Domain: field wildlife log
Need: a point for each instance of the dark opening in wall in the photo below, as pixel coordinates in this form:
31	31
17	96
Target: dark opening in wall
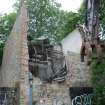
78	91
47	61
81	95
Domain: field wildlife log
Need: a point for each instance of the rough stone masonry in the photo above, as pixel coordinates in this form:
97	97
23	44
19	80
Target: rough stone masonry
14	68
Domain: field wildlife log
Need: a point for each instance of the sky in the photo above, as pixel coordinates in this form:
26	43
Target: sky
6	6
70	5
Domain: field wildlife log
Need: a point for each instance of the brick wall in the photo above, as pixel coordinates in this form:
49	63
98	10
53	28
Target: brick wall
15	60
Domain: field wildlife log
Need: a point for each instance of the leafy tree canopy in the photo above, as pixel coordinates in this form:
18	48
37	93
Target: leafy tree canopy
46	19
6	24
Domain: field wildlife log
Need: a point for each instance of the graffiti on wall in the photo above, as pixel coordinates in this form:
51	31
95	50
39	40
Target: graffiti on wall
81	95
85	99
8	96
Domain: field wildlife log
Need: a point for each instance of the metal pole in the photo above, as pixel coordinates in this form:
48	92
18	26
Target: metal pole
30	95
30	89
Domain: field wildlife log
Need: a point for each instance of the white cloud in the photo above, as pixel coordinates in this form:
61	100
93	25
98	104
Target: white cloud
6	6
70	5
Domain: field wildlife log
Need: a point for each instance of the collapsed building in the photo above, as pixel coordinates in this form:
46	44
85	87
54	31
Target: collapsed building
14	71
22	62
47	61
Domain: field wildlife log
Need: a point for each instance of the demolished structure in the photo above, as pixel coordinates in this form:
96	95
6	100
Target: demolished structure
44	65
47	61
14	72
23	62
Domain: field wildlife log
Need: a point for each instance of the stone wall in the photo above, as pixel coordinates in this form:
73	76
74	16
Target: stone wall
15	60
78	72
59	93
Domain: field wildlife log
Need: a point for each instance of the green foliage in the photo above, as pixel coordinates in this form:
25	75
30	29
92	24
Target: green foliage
82	13
71	22
44	18
1	52
99	96
47	19
6	24
98	70
102	12
98	80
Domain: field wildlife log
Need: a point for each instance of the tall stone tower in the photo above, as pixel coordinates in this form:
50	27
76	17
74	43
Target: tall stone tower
14	68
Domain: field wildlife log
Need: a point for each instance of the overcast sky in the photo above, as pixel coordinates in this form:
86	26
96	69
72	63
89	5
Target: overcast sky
69	5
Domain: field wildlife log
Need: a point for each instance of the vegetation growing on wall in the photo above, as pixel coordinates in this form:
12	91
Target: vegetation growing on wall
98	70
98	80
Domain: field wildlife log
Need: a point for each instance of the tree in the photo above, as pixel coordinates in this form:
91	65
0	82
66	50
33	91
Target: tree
6	24
102	12
98	70
46	19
